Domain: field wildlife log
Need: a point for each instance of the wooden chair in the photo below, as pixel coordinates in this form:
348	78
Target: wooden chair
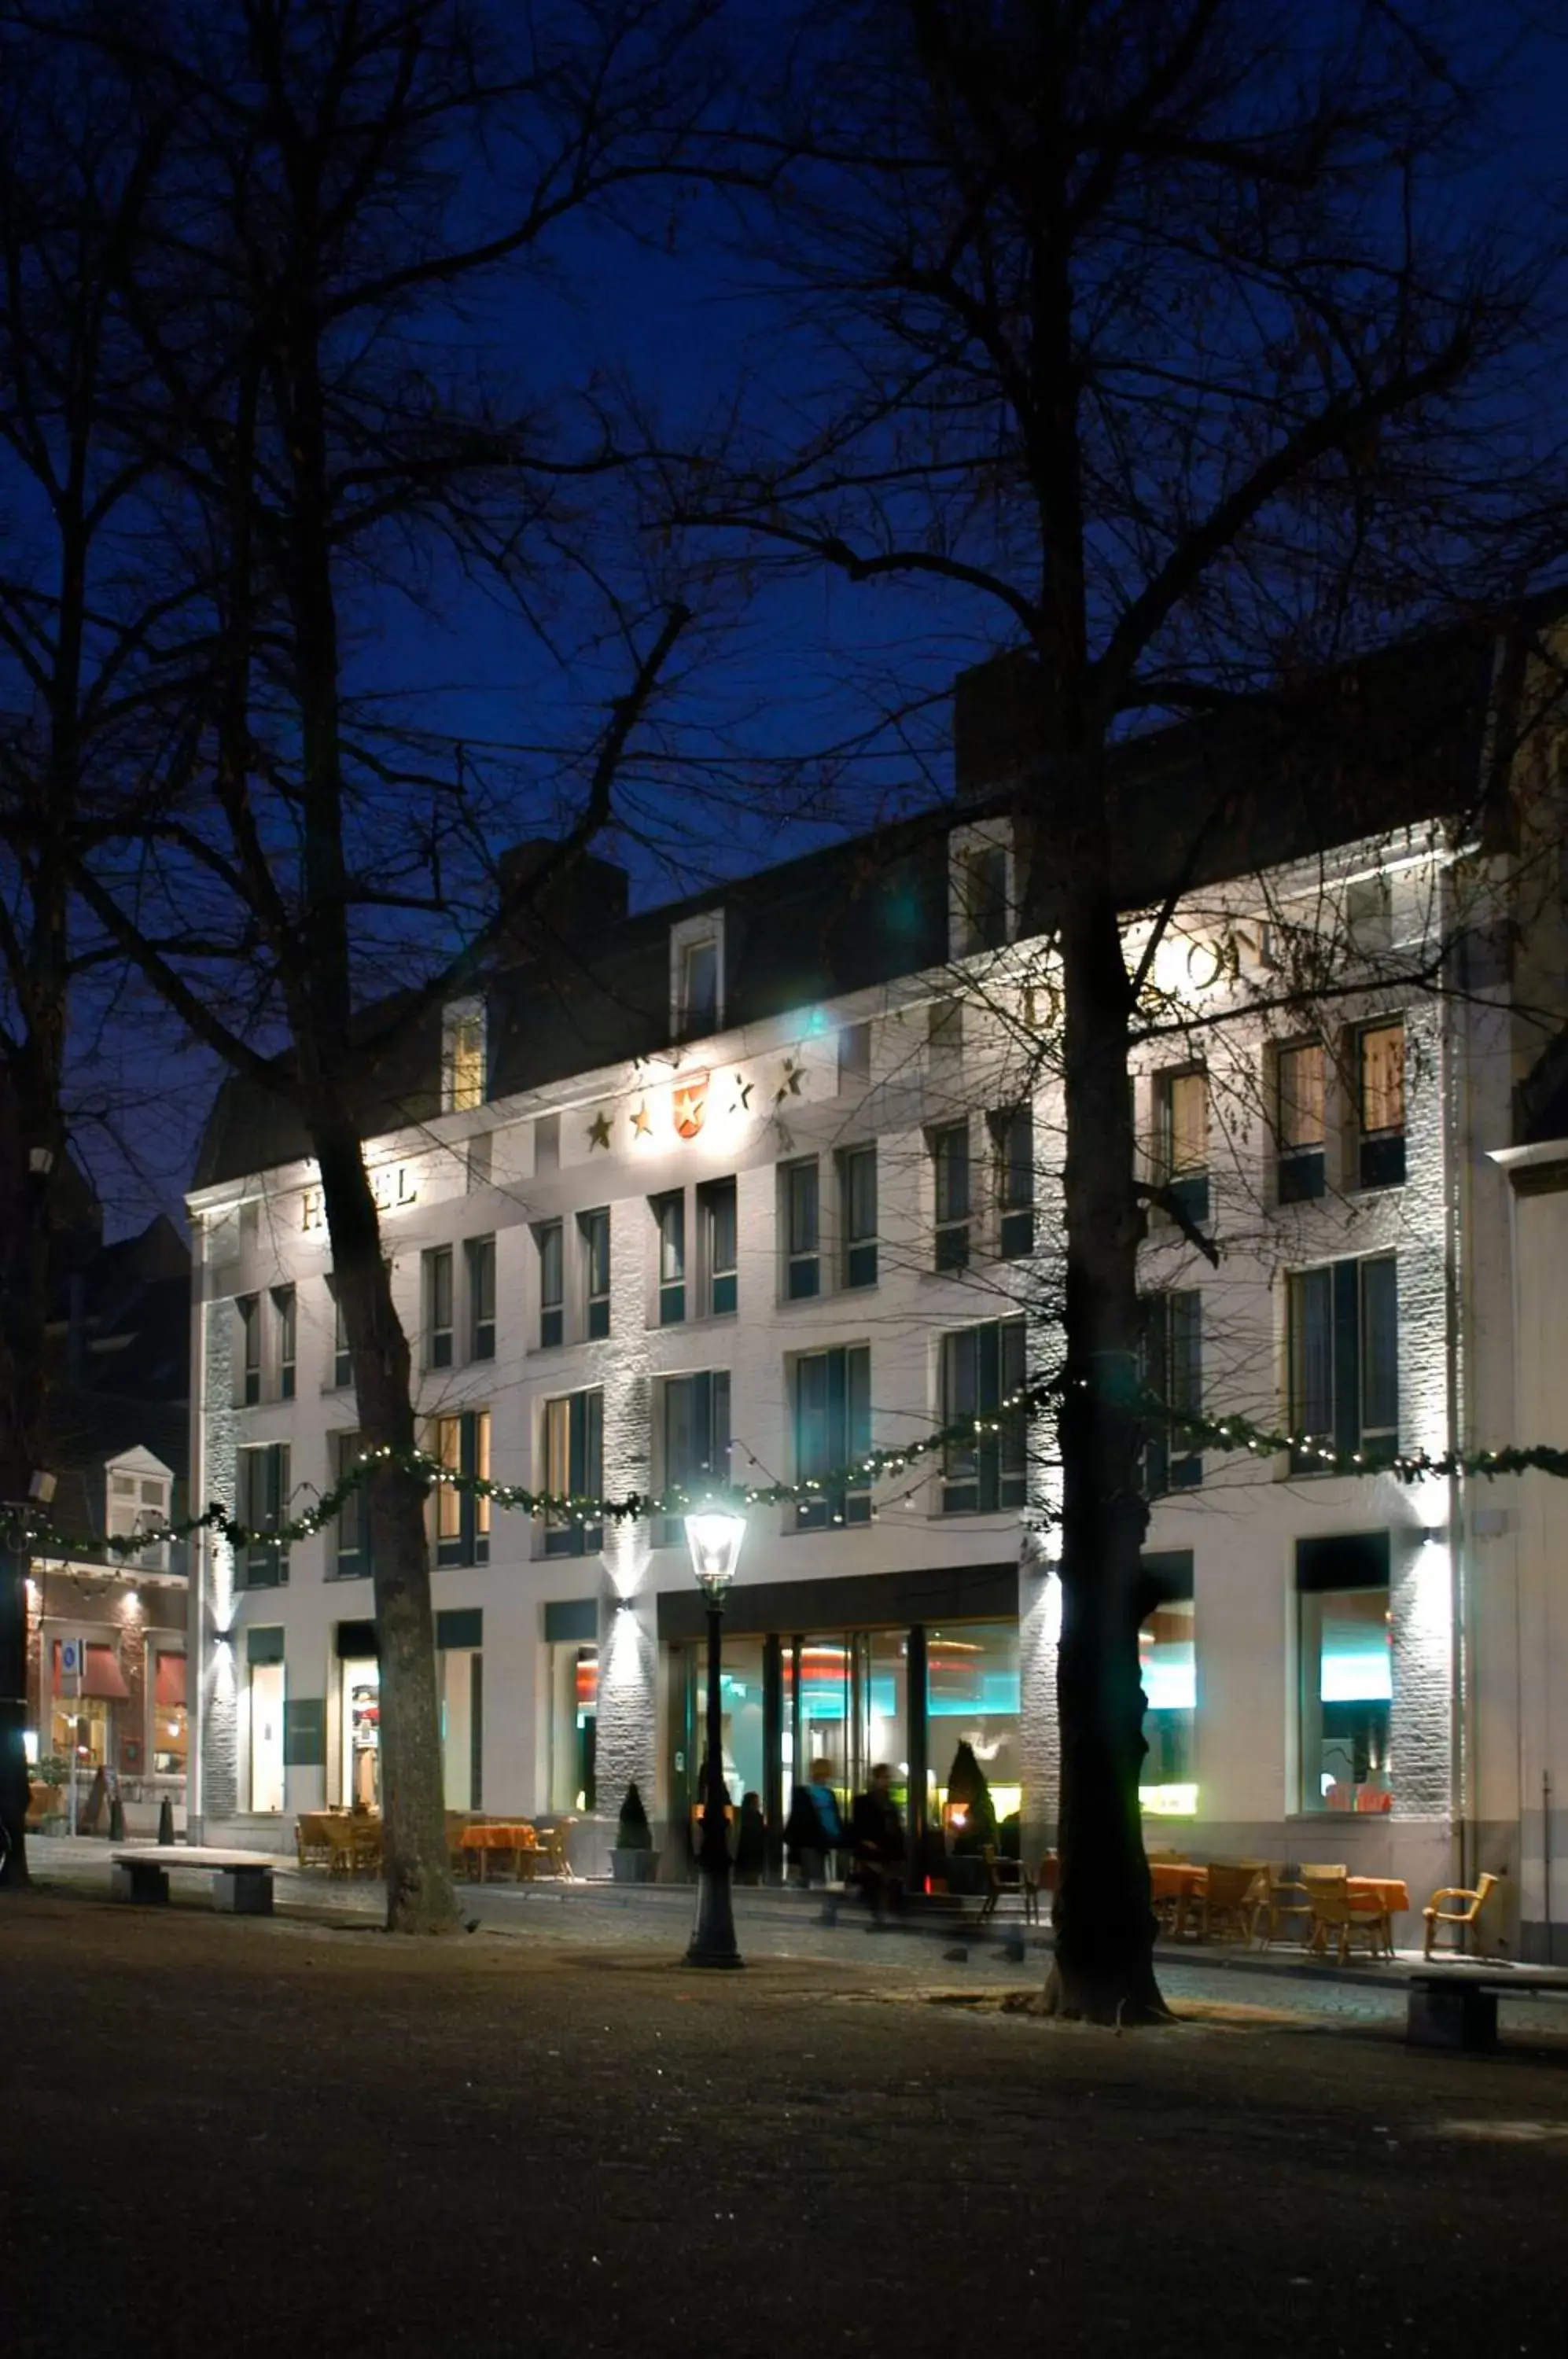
1459	1923
1004	1875
1275	1898
1333	1918
1226	1903
554	1859
312	1843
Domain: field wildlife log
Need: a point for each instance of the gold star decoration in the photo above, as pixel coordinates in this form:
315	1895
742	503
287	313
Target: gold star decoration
642	1121
599	1132
744	1088
790	1087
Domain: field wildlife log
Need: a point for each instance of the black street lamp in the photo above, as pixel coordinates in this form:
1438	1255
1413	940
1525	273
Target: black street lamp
713	1535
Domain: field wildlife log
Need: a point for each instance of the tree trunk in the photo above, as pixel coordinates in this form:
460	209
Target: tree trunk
1102	1970
420	1894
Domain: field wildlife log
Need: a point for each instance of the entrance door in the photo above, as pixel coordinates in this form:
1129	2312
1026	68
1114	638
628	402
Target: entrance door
362	1734
266	1737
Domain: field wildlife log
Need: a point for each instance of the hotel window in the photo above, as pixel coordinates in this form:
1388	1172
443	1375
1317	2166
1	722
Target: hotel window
1182	1111
855	1057
669	1229
857	1214
981	1367
552	1283
802	1231
350	1544
1299	1122
1380	1104
573	1459
342	1358
717	1245
463	1057
1344	1389
1347	1662
438	1307
1168	1673
594	1231
831	1394
462	1515
694	1443
1173	1372
950	1171
1012	1147
248	1310
285	1313
138	1503
480	1256
264	1504
697	1009
981	882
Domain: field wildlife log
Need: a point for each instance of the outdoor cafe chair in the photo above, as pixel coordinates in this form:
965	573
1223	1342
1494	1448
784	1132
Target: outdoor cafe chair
1225	1903
1275	1899
1459	1922
1333	1920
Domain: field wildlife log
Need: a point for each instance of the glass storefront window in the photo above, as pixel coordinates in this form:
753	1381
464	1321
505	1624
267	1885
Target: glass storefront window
971	1694
81	1727
170	1740
362	1734
573	1726
1168	1667
1347	1692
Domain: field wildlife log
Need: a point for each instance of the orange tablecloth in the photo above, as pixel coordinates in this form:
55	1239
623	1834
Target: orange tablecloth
1176	1880
516	1836
1383	1893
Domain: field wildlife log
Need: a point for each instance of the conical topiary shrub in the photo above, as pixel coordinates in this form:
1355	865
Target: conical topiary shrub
634	1859
633	1832
967	1785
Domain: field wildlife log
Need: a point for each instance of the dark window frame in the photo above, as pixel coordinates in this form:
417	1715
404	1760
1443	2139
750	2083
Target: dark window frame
593	1229
952	1195
718	1200
800	1183
479	1260
1329	1360
990	1474
841	1379
440	1276
549	1237
584	1469
859	1222
1172	1358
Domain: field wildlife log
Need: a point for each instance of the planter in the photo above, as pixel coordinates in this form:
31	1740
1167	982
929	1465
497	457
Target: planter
632	1867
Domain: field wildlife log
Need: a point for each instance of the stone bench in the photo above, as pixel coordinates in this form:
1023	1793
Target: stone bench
1456	2006
242	1883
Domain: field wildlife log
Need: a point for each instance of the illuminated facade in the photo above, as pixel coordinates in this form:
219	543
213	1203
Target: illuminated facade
751	1185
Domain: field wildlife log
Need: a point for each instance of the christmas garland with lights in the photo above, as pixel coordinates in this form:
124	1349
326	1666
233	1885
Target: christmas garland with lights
32	1530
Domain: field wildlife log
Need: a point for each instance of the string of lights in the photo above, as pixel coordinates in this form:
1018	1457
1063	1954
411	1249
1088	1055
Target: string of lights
31	1528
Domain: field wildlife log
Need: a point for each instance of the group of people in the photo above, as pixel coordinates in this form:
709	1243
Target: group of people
874	1837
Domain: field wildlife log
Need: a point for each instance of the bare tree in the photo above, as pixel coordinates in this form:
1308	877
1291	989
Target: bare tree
355	197
1172	337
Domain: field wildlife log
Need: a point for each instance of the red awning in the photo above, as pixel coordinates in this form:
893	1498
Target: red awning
103	1677
168	1687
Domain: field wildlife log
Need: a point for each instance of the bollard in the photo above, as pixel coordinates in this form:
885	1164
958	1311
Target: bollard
166	1820
116	1821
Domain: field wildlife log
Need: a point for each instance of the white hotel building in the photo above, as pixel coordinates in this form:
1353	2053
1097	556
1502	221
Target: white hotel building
756	1181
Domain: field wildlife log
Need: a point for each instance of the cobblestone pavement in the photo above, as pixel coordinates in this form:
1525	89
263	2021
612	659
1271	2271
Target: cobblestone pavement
784	1925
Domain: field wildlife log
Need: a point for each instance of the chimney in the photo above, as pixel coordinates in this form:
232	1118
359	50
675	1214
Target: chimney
583	898
994	708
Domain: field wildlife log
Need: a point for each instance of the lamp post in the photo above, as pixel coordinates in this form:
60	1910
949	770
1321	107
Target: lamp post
714	1535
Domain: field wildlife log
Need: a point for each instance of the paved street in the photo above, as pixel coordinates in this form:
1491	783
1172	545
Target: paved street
549	2136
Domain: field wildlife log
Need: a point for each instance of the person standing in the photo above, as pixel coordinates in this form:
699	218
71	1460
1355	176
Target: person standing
814	1827
877	1834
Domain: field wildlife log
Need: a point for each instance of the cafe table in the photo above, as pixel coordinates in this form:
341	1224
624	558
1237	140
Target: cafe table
516	1836
1175	1882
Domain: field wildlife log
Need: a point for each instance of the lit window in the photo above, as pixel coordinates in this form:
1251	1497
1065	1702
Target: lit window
139	1502
463	1514
1168	1673
1380	1104
462	1059
1346	1659
1299	1122
1181	1102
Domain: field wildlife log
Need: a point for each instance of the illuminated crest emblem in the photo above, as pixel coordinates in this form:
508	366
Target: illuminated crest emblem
691	1105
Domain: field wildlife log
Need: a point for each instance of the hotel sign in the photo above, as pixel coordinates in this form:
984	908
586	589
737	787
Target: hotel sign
392	1185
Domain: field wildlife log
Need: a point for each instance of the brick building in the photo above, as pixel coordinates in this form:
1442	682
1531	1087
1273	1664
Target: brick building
757	1181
